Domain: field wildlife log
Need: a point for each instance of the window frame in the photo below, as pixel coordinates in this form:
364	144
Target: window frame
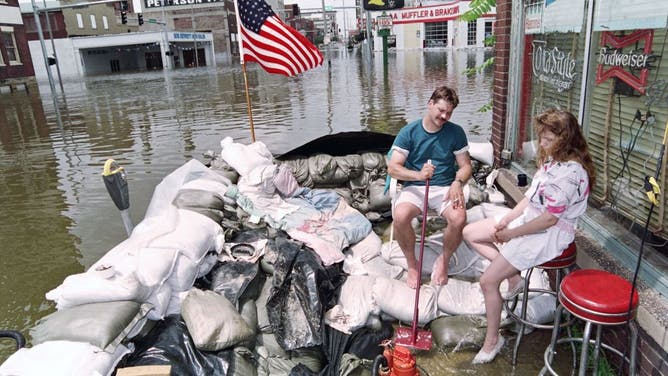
105	23
472	31
93	21
14	46
80	23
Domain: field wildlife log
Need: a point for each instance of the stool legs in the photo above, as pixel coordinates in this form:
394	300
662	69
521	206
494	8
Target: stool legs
525	299
585	341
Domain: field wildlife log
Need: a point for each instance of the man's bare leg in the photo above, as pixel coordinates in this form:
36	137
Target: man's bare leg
452	236
405	235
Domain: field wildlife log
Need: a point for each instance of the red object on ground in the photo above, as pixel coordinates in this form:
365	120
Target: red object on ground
401	361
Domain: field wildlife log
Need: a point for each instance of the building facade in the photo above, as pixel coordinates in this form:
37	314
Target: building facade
602	61
15	63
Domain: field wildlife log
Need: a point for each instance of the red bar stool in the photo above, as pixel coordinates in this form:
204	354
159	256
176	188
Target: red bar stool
560	264
598	298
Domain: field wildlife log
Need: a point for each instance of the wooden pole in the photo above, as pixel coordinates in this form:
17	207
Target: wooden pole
248	103
243	68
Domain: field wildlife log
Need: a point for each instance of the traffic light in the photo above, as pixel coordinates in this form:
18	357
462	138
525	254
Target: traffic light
295	10
124	17
140	18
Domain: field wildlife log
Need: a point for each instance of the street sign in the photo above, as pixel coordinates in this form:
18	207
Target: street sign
384	22
329	8
152	20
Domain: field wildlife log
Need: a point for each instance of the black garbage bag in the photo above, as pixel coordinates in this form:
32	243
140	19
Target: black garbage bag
303	290
235	280
169	343
365	343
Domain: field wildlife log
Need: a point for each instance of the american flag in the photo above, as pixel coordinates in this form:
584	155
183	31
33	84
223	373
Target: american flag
277	47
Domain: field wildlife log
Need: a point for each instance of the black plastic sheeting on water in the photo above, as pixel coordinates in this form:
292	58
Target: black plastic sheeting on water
303	290
343	143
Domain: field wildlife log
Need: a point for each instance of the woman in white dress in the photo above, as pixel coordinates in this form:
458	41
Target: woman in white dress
540	226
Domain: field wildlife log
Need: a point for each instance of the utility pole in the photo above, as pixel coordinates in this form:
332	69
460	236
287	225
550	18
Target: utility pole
53	48
54	94
325	27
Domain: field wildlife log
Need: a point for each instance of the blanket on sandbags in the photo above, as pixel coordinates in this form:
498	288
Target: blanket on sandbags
319	218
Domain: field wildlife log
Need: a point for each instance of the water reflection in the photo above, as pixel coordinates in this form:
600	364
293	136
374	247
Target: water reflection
57	217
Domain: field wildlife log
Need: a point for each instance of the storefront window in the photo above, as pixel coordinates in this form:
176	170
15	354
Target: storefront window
436	34
552	67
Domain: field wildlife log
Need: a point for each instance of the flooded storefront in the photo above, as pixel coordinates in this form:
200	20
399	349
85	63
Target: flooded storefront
602	60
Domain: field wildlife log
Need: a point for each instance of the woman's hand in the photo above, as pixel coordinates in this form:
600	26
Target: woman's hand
502	236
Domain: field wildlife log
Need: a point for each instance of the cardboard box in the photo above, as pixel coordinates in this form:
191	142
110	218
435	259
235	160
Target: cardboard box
145	371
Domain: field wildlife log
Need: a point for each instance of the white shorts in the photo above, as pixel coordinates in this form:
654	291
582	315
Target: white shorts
414	194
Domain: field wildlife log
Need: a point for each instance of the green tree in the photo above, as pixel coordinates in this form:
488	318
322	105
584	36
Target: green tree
477	9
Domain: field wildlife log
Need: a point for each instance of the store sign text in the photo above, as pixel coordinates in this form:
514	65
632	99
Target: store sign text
425	14
624	64
167	3
552	66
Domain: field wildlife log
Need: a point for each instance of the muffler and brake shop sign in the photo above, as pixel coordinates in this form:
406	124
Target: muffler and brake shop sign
436	13
167	3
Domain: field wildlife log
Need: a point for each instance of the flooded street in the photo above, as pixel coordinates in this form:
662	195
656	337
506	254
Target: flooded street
58	218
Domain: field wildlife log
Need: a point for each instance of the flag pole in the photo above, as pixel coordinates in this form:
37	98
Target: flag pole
243	68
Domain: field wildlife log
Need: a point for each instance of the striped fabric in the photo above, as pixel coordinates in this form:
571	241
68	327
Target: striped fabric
277	47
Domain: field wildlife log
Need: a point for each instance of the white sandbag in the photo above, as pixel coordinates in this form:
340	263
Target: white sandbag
84	288
183	275
540	310
460	297
66	358
244	158
393	255
396	299
209	185
367	248
356	302
376	267
475	214
175	301
194	235
168	188
155	265
482	151
160	300
464	262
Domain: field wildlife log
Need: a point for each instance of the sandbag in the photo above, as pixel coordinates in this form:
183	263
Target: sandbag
213	322
378	200
458	330
392	297
231	279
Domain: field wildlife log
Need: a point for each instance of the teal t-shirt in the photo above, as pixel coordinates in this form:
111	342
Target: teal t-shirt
441	147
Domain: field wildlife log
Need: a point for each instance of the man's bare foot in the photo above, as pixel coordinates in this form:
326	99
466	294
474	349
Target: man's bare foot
439	276
412	278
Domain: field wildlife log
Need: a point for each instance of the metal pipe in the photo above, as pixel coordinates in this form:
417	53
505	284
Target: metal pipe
585	59
53	48
54	94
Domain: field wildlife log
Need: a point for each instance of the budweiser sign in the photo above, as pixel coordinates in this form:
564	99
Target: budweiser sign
626	57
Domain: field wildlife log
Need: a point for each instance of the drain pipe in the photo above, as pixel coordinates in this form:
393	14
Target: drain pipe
587	55
515	73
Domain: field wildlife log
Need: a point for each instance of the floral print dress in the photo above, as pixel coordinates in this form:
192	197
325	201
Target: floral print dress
562	189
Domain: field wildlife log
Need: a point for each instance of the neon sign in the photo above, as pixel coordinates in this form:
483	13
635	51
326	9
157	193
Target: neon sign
623	63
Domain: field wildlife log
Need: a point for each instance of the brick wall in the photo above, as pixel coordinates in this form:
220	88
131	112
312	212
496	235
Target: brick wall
500	89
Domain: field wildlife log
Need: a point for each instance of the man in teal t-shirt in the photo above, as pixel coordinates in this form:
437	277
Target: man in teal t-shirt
431	139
